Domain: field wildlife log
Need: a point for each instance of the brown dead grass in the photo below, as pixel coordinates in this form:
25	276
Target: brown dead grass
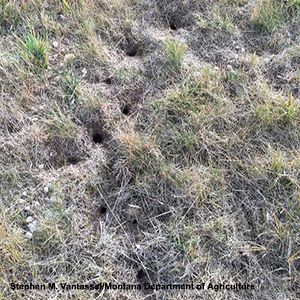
198	182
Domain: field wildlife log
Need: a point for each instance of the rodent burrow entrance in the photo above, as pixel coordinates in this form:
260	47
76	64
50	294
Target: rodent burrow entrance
97	132
125	109
98	137
131	50
173	25
177	22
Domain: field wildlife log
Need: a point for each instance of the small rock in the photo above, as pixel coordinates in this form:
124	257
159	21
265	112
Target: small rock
41	166
27	208
24	194
50	214
69	57
267	60
57	79
55	44
61	16
235	56
229	67
37	204
28	235
46	189
237	47
31	228
29	219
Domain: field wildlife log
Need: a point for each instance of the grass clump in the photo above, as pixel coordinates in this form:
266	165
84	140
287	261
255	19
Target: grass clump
185	110
9	16
58	124
69	83
14	252
141	152
174	53
269	14
34	50
278	111
192	95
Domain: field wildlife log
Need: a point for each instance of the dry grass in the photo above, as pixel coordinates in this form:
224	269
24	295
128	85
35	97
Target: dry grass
151	141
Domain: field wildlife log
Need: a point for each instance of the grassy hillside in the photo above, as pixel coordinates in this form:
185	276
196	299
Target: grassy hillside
150	141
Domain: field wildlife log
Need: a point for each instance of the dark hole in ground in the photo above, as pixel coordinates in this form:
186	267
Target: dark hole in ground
131	180
107	80
78	65
94	78
132	51
172	25
103	210
126	109
98	137
140	274
134	222
73	160
24	226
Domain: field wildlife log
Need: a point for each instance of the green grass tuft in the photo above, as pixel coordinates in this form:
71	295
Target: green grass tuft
271	13
34	50
174	53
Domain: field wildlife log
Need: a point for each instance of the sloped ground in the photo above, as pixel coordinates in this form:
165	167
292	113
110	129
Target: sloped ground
150	141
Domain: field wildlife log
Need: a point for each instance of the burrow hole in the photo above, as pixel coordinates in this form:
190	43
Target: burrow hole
73	160
103	210
132	50
107	80
125	109
98	137
140	274
173	26
174	23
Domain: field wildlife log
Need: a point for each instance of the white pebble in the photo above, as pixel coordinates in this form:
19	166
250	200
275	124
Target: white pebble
46	189
27	208
28	235
69	57
229	67
31	227
24	193
29	219
36	204
267	60
235	56
55	44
